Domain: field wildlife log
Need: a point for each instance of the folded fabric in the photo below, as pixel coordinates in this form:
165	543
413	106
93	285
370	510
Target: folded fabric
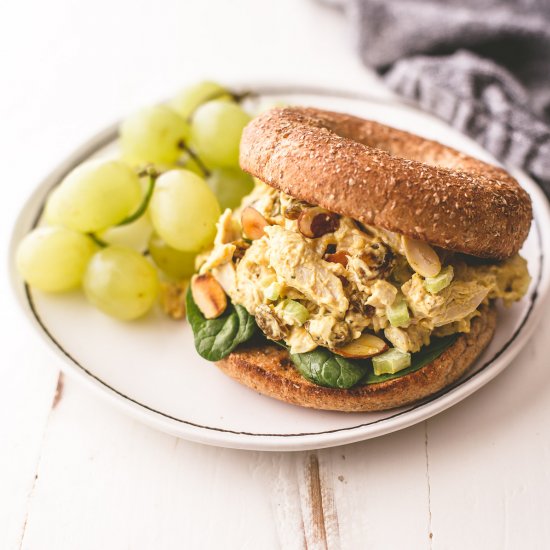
482	65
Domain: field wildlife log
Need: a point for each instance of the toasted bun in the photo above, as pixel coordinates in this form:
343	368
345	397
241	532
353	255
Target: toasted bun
389	178
268	370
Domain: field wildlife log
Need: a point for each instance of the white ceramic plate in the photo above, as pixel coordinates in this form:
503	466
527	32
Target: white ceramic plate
150	367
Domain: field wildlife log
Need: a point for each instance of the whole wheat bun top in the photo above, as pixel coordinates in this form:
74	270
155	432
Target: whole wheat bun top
389	178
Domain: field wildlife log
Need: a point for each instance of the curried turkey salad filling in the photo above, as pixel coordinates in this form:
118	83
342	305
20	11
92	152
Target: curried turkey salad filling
314	278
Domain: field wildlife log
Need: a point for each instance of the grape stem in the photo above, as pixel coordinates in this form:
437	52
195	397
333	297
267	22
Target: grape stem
144	204
195	157
101	243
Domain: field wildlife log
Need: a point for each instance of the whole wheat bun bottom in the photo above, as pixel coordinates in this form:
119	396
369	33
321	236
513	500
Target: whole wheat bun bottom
269	370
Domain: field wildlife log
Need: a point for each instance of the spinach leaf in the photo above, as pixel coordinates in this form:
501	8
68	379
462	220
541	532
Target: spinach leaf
325	368
321	366
418	360
217	338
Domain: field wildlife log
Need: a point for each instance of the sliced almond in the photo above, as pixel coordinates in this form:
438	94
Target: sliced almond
421	257
208	295
253	223
316	222
367	345
340	257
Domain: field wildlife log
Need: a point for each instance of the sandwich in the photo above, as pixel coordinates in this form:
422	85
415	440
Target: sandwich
362	272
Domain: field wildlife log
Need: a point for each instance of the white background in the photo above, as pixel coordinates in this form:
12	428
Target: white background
76	474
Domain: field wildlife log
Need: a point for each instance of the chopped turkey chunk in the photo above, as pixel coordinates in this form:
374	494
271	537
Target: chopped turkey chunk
295	263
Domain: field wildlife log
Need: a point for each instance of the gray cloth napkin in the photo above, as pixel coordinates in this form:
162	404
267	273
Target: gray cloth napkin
482	65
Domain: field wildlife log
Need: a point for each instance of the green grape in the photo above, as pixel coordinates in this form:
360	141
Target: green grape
191	97
184	211
175	263
121	282
153	134
94	196
230	185
133	235
216	131
53	259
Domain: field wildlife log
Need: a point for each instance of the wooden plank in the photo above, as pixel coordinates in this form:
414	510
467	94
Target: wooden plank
330	512
489	456
348	497
284	492
319	515
316	532
26	394
106	481
381	491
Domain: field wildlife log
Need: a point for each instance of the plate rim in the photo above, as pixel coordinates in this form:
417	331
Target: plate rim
281	441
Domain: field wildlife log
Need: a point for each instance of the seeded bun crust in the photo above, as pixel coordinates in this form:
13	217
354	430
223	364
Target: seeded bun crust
389	178
269	370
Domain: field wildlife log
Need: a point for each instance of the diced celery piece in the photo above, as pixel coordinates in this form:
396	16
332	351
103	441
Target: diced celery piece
273	291
442	280
391	361
398	313
294	311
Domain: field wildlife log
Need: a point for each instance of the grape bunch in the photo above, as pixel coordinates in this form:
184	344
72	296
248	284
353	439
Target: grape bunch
122	228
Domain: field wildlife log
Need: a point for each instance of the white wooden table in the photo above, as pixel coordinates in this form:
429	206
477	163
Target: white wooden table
77	474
